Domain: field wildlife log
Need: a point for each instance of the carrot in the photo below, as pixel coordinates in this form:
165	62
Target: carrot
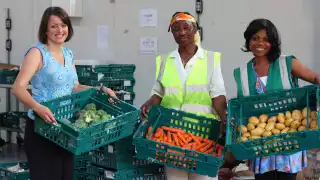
189	139
158	133
194	138
199	138
208	146
165	138
209	151
187	146
174	130
201	146
207	140
169	137
180	141
186	136
194	146
182	138
173	143
176	140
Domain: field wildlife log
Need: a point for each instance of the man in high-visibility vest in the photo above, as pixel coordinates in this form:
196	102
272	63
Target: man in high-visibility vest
188	79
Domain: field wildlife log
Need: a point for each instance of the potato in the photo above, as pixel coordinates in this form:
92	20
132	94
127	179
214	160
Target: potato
257	131
314	115
288	114
263	118
292	130
302	128
281	118
247	134
272	119
244	129
275	131
295	124
288	122
313	124
254	120
296	115
262	125
270	126
241	139
285	130
280	126
304	122
304	112
255	137
267	133
250	127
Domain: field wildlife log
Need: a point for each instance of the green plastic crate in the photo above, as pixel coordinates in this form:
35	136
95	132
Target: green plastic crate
93	173
87	155
120	155
114	84
116	68
8	76
93	137
146	173
9	175
126	96
111	70
271	104
79	163
187	160
11	119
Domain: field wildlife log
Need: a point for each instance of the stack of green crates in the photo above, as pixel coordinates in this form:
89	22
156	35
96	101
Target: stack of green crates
116	161
8	76
118	77
14	171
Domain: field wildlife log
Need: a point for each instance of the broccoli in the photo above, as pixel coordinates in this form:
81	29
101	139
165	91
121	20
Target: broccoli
88	116
80	114
80	124
106	117
90	106
101	112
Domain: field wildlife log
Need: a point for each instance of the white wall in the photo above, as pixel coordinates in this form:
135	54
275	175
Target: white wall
224	22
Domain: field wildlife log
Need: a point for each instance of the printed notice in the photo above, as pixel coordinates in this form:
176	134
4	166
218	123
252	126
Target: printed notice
148	17
148	45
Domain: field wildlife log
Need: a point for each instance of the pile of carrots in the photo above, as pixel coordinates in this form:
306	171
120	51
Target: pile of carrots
178	137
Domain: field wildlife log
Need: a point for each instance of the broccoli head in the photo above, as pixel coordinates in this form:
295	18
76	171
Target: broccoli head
91	107
80	124
106	117
101	112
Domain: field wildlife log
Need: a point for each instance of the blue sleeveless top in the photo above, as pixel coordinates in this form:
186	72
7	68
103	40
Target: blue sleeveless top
53	80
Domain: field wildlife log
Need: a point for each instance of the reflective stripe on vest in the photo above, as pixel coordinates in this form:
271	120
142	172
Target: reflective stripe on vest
283	72
196	98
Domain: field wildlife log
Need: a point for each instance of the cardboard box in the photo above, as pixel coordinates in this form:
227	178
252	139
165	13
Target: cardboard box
8	66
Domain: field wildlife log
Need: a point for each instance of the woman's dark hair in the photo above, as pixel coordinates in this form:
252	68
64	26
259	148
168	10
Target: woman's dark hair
183	13
272	33
53	11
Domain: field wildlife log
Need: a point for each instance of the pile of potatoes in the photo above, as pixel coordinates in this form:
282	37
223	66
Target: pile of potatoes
282	123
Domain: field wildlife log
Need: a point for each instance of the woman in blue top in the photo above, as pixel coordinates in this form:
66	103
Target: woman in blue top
51	69
270	70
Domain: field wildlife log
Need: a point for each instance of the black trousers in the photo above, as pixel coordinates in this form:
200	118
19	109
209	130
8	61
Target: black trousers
46	160
276	175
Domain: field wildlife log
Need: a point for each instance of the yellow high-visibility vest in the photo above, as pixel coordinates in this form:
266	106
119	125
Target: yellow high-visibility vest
195	98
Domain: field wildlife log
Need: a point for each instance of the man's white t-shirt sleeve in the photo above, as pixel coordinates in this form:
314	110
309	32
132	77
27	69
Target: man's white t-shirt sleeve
217	87
157	89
